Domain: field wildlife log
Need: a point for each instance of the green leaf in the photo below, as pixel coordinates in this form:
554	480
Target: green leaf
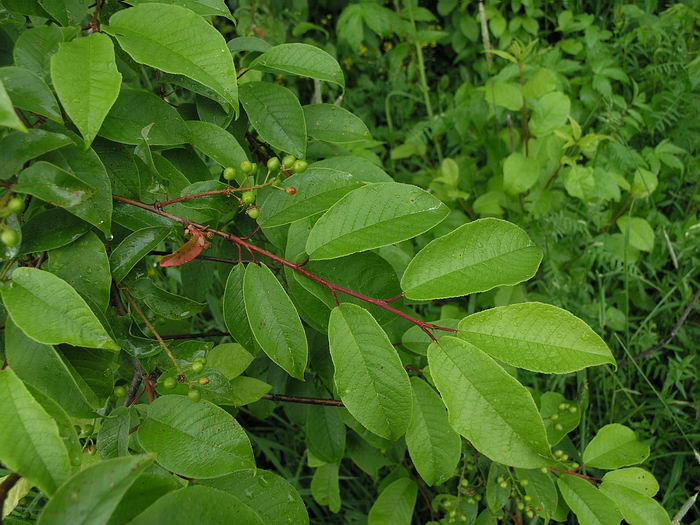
275	113
615	446
85	266
85	77
325	433
504	95
644	183
8	117
35	46
113	438
136	109
134	248
303	60
634	478
65	316
274	320
148	488
636	508
164	303
369	376
475	257
416	340
520	173
334	124
51	229
231	359
53	185
271	496
30	443
641	235
201	7
197	440
43	368
360	168
176	40
90	496
541	488
324	486
216	143
394	506
590	505
487	405
373	216
435	448
245	390
537	337
235	316
29	91
551	112
559	415
317	190
198	504
66	12
17	148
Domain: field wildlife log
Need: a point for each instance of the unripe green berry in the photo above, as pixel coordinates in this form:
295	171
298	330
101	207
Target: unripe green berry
559	453
9	237
15	205
554	417
288	161
563	406
565	457
273	164
573	410
247	167
300	166
559	427
521	506
544	470
503	484
575	465
230	173
194	395
169	383
253	213
464	483
248	197
201	359
197	367
119	391
527	498
524	483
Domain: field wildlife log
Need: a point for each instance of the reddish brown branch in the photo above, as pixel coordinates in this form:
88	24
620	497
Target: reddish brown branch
225	191
303	400
574	473
195	336
332	287
5	488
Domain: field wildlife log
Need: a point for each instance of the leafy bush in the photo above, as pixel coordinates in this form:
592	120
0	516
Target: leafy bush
220	308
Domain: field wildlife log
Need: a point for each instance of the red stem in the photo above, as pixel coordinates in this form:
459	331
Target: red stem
225	191
574	473
381	303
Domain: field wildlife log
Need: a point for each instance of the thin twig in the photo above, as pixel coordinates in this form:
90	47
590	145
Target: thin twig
195	336
304	400
5	488
225	191
139	374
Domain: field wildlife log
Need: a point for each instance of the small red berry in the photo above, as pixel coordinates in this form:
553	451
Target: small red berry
204	381
291	190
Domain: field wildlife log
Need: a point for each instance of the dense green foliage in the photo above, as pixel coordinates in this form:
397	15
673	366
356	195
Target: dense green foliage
349	262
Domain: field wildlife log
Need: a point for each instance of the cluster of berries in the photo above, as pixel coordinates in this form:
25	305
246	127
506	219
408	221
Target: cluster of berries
10	237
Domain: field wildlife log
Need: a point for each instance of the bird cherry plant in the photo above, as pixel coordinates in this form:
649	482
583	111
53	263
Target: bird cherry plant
146	213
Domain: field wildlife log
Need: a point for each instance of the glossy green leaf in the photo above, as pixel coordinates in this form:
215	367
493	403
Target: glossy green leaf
85	266
136	109
201	7
35	46
8	117
551	112
235	316
85	77
273	498
90	496
614	446
636	508
641	235
198	440
28	91
148	488
435	448
66	12
394	506
303	60
43	368
520	173
198	504
331	123
245	390
216	143
51	229
53	185
373	216
475	257
589	504
317	190
113	438
541	488
325	433
324	486
275	113
274	320
536	336
163	303
30	443
359	167
176	40
65	316
487	405
17	148
231	359
369	376
634	478
134	248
